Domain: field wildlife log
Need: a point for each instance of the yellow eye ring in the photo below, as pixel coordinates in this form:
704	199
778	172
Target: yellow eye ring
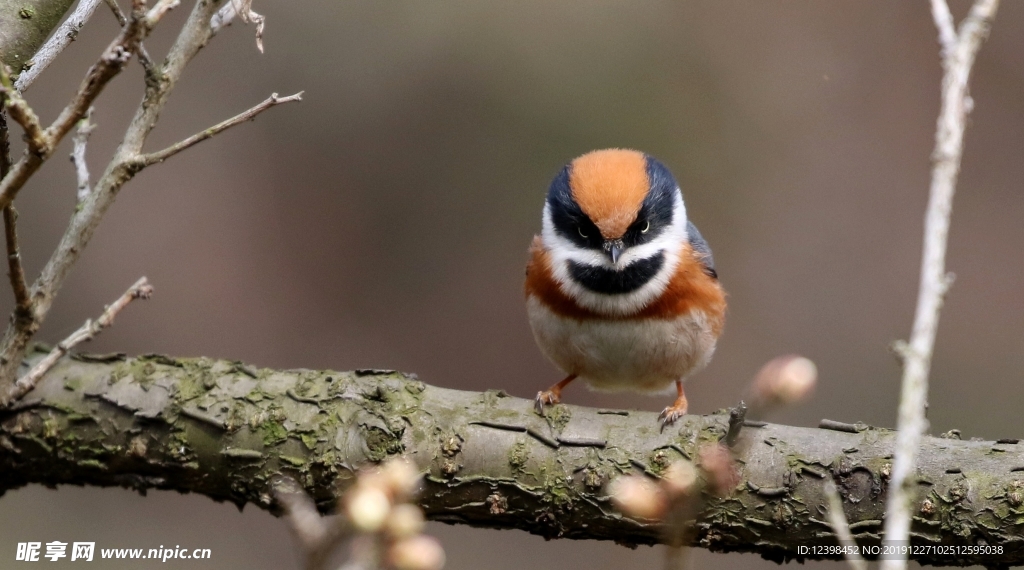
646	228
580	230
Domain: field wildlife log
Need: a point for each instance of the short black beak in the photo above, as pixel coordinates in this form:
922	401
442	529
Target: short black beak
615	251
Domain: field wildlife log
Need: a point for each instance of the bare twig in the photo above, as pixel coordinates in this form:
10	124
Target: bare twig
22	302
159	10
944	23
20	331
147	62
80	139
127	160
124	165
5	146
116	9
317	536
192	38
837	520
22	114
958	59
243	8
111	62
140	290
62	36
162	155
223	18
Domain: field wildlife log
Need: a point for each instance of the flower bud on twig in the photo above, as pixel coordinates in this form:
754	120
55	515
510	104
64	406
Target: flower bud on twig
638	497
367	507
401	478
406	520
785	380
416	553
679	479
719	468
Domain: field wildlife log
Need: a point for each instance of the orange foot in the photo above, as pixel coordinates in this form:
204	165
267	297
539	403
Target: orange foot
553	395
672	413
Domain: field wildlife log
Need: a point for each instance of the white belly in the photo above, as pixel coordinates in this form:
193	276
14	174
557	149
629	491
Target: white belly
645	355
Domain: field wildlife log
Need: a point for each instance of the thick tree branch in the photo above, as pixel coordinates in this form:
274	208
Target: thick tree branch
228	431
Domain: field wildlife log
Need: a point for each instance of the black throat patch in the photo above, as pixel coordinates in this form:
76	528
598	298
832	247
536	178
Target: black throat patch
612	282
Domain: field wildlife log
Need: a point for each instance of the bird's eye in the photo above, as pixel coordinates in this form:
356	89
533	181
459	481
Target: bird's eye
580	230
646	228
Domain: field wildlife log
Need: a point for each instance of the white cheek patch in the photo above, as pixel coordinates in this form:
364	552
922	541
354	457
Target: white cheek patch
562	251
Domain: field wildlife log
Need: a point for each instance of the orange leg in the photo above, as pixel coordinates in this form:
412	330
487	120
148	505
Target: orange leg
672	413
552	395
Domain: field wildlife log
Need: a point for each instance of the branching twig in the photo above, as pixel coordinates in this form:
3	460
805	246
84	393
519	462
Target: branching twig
140	290
837	520
126	162
80	139
111	62
143	55
20	111
162	155
62	36
109	65
959	51
193	36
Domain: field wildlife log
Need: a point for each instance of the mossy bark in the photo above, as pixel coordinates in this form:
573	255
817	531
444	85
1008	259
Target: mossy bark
229	431
25	25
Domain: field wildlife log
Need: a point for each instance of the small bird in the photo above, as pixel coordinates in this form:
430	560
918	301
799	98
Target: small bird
621	289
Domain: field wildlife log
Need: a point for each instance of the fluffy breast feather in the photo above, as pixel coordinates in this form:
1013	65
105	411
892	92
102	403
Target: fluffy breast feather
690	289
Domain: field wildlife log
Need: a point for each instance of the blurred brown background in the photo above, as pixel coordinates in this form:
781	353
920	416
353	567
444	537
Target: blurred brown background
384	221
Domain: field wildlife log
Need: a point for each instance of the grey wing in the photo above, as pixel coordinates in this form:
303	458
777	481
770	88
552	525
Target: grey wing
700	245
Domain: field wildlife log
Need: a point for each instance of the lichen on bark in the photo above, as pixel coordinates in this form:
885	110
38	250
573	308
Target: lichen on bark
229	431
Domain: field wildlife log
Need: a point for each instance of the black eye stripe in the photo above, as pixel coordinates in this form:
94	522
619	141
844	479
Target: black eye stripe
566	215
612	282
574	225
657	207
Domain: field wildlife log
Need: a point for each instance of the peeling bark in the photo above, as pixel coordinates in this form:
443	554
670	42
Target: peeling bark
25	25
228	431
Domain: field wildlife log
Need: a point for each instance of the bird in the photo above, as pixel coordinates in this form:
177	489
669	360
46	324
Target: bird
621	287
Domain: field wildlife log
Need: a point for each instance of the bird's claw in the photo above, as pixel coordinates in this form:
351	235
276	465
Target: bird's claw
670	414
545	398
